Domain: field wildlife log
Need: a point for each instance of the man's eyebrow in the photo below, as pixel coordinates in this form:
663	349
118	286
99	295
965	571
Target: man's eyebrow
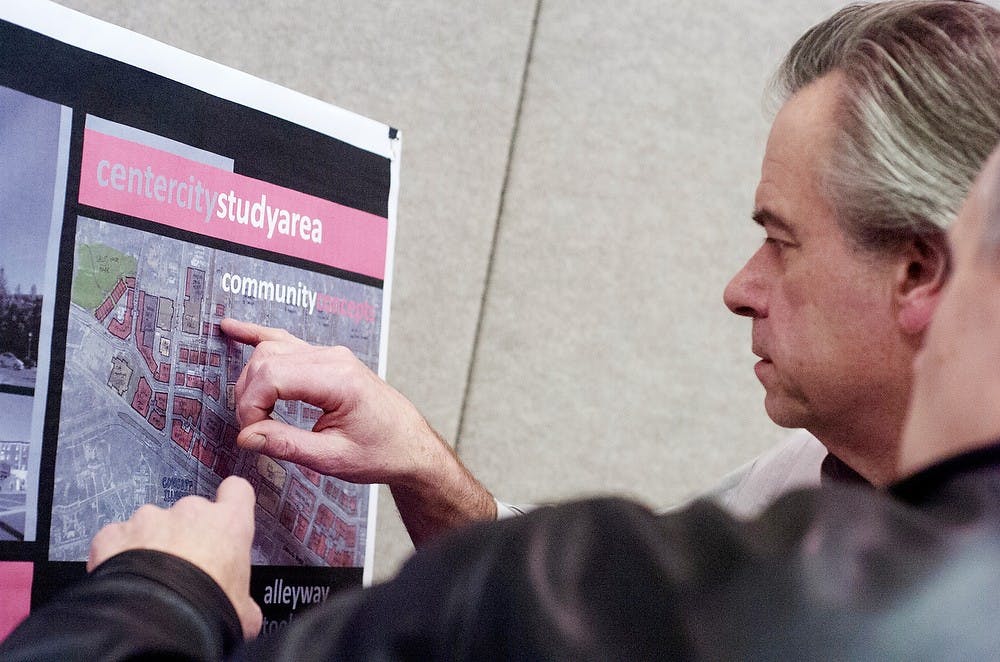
765	218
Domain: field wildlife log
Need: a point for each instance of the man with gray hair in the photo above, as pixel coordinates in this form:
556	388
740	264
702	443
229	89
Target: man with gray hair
889	110
844	573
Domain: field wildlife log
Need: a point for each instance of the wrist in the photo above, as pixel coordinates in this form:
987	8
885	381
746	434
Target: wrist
439	493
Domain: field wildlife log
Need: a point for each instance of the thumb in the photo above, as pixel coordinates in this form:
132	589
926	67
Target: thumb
318	451
251	618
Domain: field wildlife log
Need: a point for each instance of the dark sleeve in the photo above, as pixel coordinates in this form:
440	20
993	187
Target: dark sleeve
138	604
587	581
609	580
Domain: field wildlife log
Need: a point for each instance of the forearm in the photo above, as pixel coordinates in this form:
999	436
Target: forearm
138	603
441	495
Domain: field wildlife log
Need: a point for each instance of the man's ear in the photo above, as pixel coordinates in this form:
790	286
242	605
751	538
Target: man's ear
922	271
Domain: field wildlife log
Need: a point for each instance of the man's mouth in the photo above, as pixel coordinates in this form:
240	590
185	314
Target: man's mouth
763	369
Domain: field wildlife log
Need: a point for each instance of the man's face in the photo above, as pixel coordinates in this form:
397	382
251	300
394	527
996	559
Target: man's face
823	322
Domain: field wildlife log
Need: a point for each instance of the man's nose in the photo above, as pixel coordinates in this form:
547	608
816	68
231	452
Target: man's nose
746	294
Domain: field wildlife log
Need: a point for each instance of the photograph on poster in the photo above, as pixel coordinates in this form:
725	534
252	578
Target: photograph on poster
29	155
34	148
15	441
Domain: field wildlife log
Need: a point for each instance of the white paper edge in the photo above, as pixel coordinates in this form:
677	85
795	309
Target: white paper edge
77	29
383	352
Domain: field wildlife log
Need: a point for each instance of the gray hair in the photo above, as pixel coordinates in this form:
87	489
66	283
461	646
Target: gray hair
989	239
919	111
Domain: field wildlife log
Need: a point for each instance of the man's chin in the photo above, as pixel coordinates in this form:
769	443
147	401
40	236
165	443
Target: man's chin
784	412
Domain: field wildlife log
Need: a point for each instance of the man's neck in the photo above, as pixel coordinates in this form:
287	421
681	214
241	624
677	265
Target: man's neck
871	451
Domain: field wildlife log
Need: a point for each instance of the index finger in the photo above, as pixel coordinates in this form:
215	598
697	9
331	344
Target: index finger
236	492
249	333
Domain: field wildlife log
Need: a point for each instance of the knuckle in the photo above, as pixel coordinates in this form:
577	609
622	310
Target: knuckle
280	445
263	370
107	531
147	511
190	501
263	352
341	354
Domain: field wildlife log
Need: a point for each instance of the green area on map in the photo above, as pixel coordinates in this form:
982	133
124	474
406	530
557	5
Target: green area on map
98	269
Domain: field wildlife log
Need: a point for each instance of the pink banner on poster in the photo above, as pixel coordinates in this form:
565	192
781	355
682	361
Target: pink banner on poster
15	594
137	180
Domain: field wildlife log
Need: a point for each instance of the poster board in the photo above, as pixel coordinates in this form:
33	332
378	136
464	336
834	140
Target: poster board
146	193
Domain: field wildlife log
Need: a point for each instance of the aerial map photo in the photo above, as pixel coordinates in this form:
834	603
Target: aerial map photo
147	411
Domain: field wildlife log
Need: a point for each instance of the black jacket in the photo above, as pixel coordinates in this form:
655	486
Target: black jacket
832	573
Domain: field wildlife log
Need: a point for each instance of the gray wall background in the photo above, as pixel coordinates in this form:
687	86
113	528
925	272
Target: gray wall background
577	181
